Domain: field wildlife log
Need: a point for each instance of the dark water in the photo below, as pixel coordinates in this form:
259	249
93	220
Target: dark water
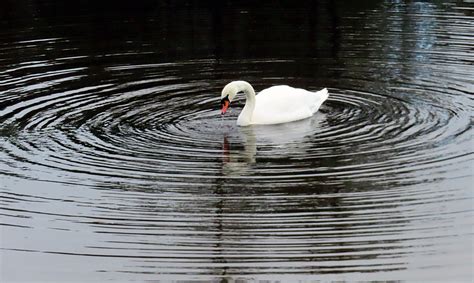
115	164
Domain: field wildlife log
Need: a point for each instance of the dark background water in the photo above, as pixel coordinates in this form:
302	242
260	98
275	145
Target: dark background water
115	164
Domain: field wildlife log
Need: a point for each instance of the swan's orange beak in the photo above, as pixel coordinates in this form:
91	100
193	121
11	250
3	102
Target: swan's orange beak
225	104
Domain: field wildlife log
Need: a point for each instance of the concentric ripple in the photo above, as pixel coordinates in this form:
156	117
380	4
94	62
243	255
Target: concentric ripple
163	128
121	166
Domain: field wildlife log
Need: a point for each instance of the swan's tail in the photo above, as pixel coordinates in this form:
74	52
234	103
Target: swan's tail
324	93
321	96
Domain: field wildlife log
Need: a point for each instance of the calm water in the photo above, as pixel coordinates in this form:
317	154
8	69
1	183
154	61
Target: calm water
116	165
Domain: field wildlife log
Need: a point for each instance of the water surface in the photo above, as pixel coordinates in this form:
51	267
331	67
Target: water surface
116	165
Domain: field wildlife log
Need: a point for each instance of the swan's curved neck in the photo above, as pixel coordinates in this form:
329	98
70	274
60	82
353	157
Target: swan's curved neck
246	115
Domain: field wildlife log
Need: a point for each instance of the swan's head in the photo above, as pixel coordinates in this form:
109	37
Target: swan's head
232	89
228	94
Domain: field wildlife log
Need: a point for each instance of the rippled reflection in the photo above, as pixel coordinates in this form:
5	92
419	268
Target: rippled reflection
115	163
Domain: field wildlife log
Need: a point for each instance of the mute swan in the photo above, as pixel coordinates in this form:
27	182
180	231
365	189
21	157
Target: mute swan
274	105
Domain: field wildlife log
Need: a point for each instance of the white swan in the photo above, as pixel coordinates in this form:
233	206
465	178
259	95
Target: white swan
274	105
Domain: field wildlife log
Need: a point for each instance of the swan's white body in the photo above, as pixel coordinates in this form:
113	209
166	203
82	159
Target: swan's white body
274	105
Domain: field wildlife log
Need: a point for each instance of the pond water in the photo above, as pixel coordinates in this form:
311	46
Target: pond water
115	163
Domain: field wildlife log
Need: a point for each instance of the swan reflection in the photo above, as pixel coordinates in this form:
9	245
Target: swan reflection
244	145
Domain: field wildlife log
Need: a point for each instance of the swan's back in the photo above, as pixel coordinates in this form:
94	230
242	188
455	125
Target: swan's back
280	104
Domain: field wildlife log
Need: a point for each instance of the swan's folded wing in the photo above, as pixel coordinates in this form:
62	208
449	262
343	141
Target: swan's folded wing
281	104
